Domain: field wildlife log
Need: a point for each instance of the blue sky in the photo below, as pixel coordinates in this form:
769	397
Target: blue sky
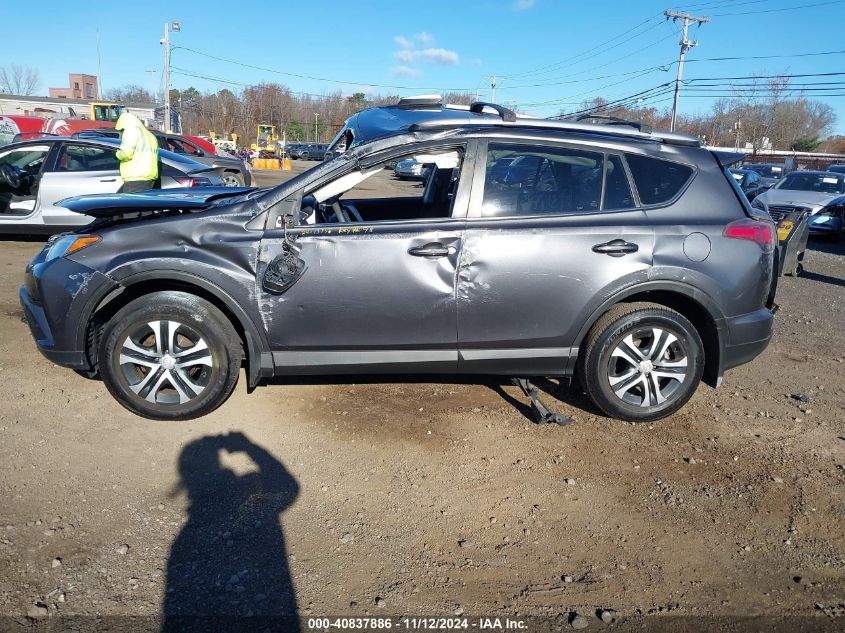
547	54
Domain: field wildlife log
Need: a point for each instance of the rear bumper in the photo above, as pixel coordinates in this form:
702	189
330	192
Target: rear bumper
748	336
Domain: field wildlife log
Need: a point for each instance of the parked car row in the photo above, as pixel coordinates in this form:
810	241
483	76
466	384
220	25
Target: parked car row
307	151
820	194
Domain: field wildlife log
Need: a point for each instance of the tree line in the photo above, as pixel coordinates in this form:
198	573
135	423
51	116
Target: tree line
768	116
299	117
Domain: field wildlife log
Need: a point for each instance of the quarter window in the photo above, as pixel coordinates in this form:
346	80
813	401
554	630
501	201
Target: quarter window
657	180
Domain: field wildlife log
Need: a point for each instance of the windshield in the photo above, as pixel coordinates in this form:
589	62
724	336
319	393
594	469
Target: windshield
768	171
813	181
107	112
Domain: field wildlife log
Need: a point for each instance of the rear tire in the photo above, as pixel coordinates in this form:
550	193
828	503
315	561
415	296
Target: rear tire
233	179
170	356
641	362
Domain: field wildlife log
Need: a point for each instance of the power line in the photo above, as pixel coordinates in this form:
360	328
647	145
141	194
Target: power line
791	76
734	96
723	59
196	75
803	6
720	4
553	81
590	50
314	77
636	95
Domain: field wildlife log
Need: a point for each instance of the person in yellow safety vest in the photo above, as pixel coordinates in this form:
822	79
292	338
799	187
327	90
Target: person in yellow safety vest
138	154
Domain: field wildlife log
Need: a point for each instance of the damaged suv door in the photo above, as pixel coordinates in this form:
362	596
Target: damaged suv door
546	235
375	285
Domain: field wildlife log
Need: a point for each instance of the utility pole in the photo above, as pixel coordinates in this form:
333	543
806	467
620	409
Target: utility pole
99	69
493	88
316	114
686	44
175	27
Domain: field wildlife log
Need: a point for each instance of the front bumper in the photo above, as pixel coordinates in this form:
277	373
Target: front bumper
40	329
58	298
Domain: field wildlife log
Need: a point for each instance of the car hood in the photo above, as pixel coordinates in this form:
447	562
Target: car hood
813	199
111	204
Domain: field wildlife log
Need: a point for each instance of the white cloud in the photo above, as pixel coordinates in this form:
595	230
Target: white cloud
439	56
522	5
426	39
406	56
404	42
405	71
475	62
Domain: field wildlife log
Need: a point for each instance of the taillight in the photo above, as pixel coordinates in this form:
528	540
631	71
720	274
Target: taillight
194	182
759	231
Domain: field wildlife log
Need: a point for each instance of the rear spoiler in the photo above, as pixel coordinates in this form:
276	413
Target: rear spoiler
728	159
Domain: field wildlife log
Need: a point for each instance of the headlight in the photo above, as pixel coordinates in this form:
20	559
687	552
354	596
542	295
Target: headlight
67	244
758	204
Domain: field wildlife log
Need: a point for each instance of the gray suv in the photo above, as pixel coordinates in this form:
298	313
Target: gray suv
625	257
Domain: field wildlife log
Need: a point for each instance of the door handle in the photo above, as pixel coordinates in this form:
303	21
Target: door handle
108	180
616	248
432	250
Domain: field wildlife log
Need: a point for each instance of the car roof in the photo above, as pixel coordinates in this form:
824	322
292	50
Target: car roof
817	172
425	113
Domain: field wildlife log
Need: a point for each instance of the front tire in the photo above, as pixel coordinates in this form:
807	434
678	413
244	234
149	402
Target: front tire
641	362
170	356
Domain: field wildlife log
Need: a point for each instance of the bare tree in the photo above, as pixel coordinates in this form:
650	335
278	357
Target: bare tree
19	80
129	94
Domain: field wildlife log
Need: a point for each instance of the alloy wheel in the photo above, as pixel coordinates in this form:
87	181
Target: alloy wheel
165	362
647	367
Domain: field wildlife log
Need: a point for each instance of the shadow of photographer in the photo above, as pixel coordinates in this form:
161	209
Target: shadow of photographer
228	567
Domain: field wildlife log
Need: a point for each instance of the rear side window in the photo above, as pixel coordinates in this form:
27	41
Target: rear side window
657	180
87	158
540	180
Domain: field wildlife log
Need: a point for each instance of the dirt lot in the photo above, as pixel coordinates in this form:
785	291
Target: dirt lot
433	498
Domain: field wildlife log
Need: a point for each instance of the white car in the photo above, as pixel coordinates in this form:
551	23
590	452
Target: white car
37	173
812	191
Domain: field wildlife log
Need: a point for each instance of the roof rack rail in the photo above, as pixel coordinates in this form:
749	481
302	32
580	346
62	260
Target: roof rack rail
645	128
508	116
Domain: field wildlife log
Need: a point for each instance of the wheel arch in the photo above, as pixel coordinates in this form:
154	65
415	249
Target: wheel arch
258	359
698	307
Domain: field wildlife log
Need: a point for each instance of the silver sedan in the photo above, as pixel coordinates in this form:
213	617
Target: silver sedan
37	173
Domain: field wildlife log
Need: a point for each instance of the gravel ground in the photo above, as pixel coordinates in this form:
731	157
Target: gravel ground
433	498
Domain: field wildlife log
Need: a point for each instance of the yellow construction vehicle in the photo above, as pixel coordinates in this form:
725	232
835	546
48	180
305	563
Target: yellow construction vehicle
105	111
266	140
